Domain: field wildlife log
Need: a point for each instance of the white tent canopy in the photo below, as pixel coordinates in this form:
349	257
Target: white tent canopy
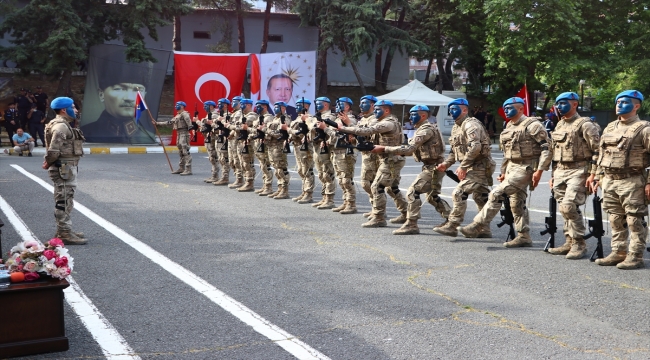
416	93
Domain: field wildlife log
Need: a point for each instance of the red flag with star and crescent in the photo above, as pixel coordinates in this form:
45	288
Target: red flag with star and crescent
199	77
523	93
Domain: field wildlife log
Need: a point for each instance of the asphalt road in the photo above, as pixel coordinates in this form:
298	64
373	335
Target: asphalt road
345	291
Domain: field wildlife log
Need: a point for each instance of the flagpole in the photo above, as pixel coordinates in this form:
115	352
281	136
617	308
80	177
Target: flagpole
171	168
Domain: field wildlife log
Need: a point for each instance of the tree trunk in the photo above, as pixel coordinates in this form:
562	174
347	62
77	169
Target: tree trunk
240	26
428	73
64	84
321	68
379	85
176	39
354	68
551	90
267	19
449	76
391	52
441	73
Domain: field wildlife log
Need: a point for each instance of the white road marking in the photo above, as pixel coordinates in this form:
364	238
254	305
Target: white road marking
280	337
109	340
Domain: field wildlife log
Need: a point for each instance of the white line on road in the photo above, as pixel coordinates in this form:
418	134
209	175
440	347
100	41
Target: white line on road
109	340
280	337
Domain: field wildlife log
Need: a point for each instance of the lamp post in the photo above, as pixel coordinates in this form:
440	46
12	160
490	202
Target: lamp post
582	95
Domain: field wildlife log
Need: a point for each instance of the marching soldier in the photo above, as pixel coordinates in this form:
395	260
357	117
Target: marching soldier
526	156
222	144
369	161
234	143
246	151
428	147
623	175
275	142
389	132
263	116
326	173
205	127
343	161
303	149
470	145
575	153
181	123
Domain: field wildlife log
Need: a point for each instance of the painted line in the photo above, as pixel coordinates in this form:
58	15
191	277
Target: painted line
274	333
112	344
100	150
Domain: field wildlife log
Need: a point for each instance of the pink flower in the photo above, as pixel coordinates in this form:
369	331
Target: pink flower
31	243
62	261
56	242
30	266
20	267
31	276
49	254
61	273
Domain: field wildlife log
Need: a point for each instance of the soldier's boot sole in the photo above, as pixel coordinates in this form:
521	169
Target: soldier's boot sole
209	180
518	242
297	198
318	203
562	250
407	231
307	199
326	206
469	231
631	262
72	239
374	224
186	173
578	250
484	235
246	189
221	182
236	184
399	220
77	234
341	207
282	195
612	259
179	171
350	209
274	194
447	230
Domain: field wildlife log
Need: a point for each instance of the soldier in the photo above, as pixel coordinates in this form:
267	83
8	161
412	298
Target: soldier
526	155
64	148
205	127
622	172
221	144
262	110
428	147
303	149
388	174
575	154
369	161
326	173
470	145
181	123
234	143
344	159
246	151
276	136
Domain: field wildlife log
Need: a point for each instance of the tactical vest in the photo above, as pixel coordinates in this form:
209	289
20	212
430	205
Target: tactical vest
568	143
618	148
181	123
235	120
72	145
368	121
433	148
393	138
518	144
458	139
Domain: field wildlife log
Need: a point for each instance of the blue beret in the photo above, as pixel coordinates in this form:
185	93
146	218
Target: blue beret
567	96
369	97
634	94
323	98
384	103
514	100
346	100
210	102
459	101
246	101
224	101
305	101
419	108
181	103
281	103
61	103
237	98
262	102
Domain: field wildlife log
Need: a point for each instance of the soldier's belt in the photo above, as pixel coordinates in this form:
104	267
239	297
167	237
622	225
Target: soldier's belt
429	162
69	161
571	165
621	176
523	161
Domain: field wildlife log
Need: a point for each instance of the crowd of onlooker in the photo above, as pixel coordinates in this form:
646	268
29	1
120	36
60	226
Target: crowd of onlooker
25	119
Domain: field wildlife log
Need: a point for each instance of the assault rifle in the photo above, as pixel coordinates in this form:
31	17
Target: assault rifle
507	218
320	133
195	126
285	136
452	175
206	129
260	136
596	228
224	131
551	223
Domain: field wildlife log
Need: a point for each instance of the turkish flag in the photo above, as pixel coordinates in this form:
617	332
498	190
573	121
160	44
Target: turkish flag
255	77
523	93
199	77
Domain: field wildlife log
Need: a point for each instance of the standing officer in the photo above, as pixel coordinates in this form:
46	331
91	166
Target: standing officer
11	122
23	104
303	149
234	143
369	161
205	126
623	174
246	151
326	173
575	153
222	144
526	156
181	123
342	161
428	147
275	141
388	174
64	147
261	150
470	145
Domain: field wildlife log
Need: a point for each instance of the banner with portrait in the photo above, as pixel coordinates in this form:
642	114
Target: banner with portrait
108	113
286	77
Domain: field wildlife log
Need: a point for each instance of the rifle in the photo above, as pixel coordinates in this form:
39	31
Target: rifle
206	129
551	223
225	131
195	126
596	227
507	218
243	136
320	134
260	136
452	175
285	136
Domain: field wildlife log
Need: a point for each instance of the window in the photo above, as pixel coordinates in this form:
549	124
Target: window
201	35
412	62
275	38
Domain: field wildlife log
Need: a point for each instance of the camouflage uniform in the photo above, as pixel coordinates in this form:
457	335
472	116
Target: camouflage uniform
389	133
470	145
222	154
369	161
427	146
234	147
262	157
275	147
526	150
181	123
344	166
575	152
622	163
247	157
326	173
209	139
64	148
303	149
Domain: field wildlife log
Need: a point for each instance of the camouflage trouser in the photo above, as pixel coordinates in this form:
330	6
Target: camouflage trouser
570	192
344	167
278	160
265	165
222	156
183	145
624	202
475	183
428	182
233	157
63	196
326	173
388	177
305	165
369	166
517	179
246	161
213	158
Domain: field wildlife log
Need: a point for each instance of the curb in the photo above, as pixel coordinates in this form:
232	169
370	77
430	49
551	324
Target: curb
122	150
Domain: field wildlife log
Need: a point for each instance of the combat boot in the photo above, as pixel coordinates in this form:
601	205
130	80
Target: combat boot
266	190
328	203
632	261
222	181
257	191
400	219
340	208
449	228
375	221
302	194
564	249
470	231
522	240
367	215
78	234
275	193
248	187
69	238
612	259
410	227
484	232
351	208
180	170
578	249
238	183
307	199
188	171
210	180
322	200
283	194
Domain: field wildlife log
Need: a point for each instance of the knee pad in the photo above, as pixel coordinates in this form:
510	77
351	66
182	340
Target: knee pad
635	223
381	189
484	197
617	222
567	210
60	205
395	189
416	195
496	197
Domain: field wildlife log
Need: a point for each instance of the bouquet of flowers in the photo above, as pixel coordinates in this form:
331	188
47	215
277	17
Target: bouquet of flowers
31	257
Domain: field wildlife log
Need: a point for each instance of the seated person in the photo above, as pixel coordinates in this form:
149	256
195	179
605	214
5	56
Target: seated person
23	141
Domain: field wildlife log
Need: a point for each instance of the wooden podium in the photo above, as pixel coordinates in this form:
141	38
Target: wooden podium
33	318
